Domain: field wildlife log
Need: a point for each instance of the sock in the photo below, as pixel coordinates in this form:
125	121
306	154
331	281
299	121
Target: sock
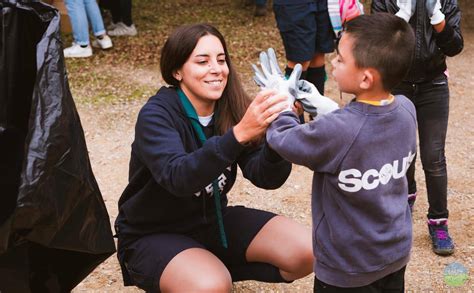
100	37
317	76
258	271
288	72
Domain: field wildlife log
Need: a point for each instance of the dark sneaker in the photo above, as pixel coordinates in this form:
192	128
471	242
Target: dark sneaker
260	10
440	239
411	201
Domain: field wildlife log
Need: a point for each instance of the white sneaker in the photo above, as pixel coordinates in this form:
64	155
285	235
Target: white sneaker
123	30
104	43
112	26
76	51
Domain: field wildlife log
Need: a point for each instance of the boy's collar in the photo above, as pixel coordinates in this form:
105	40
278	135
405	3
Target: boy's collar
383	102
370	109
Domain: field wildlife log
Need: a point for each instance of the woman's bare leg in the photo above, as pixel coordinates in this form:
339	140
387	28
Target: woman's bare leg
195	270
285	244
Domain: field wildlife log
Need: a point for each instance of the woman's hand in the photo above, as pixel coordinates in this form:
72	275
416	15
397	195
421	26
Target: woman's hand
262	111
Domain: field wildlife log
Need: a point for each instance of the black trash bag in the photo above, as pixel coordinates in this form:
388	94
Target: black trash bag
54	226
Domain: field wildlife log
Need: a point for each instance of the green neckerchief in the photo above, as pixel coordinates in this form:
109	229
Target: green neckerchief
193	117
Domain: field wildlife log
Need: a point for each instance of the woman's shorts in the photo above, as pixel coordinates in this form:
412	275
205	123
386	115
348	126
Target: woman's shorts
144	259
305	30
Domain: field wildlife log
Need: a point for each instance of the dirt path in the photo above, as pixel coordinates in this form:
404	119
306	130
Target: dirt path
109	132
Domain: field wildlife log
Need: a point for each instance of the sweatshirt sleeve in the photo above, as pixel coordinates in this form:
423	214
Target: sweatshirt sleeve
159	145
450	40
319	145
264	167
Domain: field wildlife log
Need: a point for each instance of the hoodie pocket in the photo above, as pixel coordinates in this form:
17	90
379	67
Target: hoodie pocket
321	252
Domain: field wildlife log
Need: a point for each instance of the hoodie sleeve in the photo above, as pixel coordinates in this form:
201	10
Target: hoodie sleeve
450	40
264	167
159	145
319	145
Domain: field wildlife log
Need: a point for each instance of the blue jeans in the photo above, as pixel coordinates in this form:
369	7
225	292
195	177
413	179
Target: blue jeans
79	11
431	100
261	2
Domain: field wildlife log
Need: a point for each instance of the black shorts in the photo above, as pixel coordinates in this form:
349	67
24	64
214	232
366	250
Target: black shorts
394	283
305	30
144	259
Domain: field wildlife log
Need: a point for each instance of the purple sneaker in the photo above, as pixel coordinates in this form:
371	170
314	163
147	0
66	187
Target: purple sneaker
440	239
411	201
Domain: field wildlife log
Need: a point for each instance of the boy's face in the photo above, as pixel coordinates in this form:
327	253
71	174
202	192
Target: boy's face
347	75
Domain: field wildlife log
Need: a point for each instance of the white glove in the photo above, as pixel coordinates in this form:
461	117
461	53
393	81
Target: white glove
271	77
407	9
313	102
433	7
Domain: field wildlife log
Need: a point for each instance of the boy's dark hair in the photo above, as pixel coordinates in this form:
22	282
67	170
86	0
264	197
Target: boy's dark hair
384	42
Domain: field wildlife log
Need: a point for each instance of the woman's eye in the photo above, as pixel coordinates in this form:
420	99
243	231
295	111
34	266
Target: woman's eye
222	61
201	61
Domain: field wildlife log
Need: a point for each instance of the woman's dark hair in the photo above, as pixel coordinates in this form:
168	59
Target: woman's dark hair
177	49
384	42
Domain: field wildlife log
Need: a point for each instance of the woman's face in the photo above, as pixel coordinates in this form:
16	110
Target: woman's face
204	75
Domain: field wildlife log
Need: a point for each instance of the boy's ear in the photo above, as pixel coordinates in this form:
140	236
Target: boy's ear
369	76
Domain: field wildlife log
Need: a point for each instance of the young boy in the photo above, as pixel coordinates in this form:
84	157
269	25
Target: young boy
362	229
438	33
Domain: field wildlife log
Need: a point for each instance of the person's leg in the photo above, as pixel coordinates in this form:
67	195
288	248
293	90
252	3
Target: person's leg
247	232
115	11
195	270
296	24
95	18
260	7
317	72
171	263
77	15
125	27
432	114
324	43
409	90
126	11
285	244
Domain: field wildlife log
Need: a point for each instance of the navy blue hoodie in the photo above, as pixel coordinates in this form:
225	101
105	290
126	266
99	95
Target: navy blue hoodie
171	174
362	227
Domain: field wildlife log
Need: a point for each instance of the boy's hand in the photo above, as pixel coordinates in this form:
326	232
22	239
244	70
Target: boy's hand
433	8
298	108
407	9
313	102
271	77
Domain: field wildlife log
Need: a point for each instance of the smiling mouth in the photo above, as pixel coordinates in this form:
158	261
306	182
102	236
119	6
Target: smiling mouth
214	82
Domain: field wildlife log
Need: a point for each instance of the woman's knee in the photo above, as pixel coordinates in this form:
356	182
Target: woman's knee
197	283
301	257
213	284
195	270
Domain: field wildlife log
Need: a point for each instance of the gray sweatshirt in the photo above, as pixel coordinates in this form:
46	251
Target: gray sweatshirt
362	227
